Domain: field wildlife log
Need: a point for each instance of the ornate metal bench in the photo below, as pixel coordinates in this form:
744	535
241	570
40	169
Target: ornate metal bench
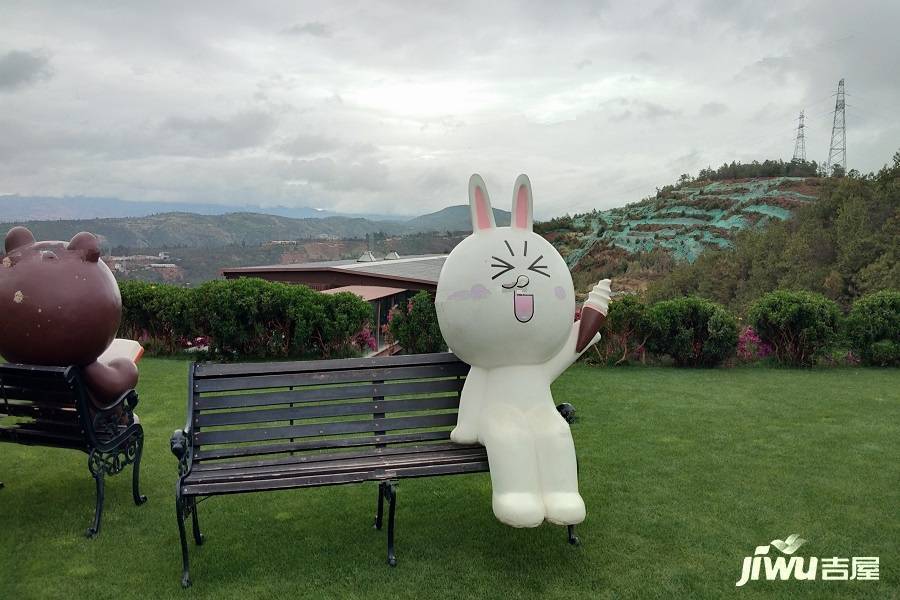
273	426
50	406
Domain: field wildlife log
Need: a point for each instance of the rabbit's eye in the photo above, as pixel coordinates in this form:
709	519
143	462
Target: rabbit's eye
501	264
539	268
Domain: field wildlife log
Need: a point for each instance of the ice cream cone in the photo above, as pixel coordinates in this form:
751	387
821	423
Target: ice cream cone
593	314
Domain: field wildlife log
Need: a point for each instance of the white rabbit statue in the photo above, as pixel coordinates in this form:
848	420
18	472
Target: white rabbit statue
506	304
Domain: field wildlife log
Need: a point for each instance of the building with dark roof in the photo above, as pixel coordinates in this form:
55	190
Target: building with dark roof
407	272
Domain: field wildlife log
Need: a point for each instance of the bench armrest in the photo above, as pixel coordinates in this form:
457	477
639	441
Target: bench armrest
182	447
110	424
129	399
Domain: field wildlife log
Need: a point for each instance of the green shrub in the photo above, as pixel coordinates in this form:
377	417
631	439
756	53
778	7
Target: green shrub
415	326
159	314
624	332
873	328
693	331
344	315
800	326
244	318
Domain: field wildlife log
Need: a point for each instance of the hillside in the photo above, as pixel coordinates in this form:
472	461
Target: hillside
845	245
640	242
14	208
453	218
180	229
193	230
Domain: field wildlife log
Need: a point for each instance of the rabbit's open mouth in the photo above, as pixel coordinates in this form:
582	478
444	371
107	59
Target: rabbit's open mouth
523	305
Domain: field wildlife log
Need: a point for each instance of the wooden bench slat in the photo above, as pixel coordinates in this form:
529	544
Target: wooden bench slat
49	397
298	413
327	456
213	454
37	380
370	462
206	489
204	370
41	412
323	429
322	394
227	384
31	432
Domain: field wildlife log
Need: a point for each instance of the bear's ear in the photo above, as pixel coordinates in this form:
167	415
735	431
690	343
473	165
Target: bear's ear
18	237
88	245
480	205
522	208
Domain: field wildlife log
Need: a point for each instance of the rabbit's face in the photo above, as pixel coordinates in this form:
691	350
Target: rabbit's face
505	295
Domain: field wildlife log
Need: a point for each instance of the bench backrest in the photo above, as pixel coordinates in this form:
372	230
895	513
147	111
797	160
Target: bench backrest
252	409
43	402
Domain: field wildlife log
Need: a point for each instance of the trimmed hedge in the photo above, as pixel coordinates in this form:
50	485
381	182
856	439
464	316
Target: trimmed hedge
693	331
873	328
244	318
800	326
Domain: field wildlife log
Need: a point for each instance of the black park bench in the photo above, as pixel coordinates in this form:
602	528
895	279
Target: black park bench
50	406
272	426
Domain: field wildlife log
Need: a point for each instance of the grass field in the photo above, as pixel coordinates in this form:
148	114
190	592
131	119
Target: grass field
684	473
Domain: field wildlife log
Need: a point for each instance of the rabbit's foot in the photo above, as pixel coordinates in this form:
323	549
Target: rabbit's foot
564	508
519	509
464	435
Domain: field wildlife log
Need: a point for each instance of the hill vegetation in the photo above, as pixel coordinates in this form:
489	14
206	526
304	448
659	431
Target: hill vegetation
641	242
843	246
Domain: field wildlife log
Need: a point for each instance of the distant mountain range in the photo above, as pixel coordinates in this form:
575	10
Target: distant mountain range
185	229
14	208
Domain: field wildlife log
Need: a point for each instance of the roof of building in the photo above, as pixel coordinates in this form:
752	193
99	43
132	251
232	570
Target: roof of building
421	269
367	292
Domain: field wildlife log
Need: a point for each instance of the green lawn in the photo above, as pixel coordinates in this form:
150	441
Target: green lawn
684	473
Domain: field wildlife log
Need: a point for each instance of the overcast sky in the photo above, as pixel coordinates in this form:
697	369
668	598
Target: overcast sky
388	107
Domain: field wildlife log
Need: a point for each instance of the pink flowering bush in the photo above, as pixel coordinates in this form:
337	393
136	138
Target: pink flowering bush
366	339
750	347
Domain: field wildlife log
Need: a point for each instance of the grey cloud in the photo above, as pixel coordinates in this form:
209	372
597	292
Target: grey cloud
19	68
203	135
636	108
775	68
713	109
308	144
312	28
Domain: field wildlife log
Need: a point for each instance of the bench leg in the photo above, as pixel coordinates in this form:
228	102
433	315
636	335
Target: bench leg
390	490
380	514
573	539
195	521
180	505
136	472
94	529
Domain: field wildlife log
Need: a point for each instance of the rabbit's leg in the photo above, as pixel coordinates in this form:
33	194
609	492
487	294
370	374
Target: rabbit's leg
514	473
471	403
557	466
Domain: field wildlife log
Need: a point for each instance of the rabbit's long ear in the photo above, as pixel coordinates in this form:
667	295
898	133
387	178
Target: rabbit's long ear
480	205
522	208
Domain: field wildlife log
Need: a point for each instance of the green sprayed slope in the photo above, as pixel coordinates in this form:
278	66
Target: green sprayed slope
686	220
